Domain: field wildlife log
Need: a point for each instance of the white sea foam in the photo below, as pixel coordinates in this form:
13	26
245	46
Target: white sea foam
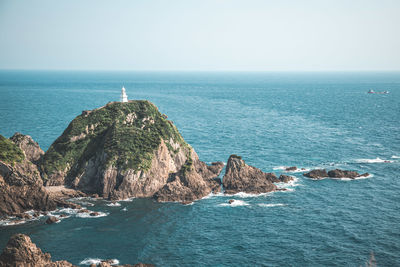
279	168
271	205
87	214
89	261
9	222
219	194
296	170
246	195
128	199
235	203
116	204
125	209
68	210
395	157
377	160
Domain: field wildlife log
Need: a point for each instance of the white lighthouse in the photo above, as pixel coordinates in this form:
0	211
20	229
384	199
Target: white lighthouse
124	97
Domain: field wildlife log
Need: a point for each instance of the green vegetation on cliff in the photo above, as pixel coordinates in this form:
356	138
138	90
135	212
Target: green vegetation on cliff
126	133
10	152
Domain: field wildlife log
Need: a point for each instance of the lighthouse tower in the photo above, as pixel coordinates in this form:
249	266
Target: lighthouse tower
124	97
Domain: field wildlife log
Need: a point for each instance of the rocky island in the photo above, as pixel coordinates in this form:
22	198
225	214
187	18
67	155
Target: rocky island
125	150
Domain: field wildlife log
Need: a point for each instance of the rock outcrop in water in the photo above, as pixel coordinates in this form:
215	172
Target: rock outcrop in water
20	251
240	177
337	173
125	150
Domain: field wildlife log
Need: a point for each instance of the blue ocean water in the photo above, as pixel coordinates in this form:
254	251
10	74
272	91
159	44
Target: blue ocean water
272	120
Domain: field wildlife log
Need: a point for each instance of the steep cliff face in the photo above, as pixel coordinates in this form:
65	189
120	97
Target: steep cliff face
240	177
118	151
21	187
31	149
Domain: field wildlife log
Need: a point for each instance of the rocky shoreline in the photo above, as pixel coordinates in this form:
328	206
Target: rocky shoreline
120	151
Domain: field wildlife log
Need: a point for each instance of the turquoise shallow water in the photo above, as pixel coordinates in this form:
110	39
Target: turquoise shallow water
272	120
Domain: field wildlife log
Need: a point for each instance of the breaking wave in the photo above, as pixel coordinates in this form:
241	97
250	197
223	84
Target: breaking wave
89	261
377	160
235	203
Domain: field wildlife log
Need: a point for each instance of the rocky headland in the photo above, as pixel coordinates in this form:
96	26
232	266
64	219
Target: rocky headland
20	251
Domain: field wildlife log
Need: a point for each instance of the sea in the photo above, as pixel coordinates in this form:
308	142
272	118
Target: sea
273	120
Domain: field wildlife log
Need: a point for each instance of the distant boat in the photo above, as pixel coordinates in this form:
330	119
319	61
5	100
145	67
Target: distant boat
373	92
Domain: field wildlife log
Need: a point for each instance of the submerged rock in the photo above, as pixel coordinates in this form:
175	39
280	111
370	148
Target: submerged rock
289	169
240	177
125	150
51	220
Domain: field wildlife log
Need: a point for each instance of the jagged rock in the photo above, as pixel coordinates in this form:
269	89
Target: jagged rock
125	150
20	251
21	189
95	213
317	174
230	201
240	177
285	178
289	169
31	149
51	220
195	180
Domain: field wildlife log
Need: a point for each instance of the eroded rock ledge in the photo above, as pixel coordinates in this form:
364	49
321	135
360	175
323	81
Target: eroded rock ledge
20	251
337	173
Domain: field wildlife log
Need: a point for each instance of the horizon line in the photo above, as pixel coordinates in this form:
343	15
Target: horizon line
192	70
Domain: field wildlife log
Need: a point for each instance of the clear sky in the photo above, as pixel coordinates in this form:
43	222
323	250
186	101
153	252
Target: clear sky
246	35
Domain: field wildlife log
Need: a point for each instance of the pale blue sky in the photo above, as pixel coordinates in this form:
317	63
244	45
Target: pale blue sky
247	35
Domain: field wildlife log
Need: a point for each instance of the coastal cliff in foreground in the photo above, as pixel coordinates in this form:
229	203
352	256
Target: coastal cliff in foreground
21	187
125	150
20	251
